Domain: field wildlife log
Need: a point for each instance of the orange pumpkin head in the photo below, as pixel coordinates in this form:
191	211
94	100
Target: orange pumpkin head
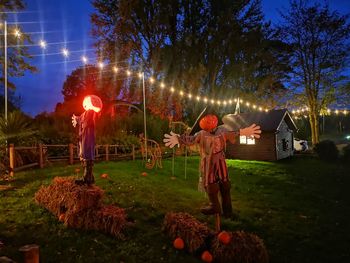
179	243
208	122
224	237
104	176
207	257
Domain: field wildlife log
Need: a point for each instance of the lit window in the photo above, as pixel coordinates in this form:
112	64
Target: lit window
246	140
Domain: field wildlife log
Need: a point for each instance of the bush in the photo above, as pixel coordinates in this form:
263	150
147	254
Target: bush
346	153
327	150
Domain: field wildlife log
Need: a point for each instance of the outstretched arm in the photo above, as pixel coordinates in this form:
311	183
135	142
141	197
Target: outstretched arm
171	139
251	131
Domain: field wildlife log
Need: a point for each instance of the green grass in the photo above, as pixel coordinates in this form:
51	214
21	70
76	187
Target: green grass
300	207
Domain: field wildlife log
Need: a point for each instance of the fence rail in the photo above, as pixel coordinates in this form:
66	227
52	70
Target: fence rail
17	158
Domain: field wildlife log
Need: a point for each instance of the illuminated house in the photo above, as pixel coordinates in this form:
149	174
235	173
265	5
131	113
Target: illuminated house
276	140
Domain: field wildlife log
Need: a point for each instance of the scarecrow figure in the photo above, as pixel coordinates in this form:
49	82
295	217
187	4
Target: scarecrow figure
86	123
214	175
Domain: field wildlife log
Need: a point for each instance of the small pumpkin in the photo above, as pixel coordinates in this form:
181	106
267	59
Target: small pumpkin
77	170
208	122
144	174
224	237
179	243
104	176
62	217
207	257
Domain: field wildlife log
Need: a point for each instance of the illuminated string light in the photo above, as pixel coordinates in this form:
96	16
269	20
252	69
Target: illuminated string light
65	52
84	59
172	89
128	72
189	95
205	100
43	44
140	75
181	93
101	65
17	33
162	85
151	80
198	98
115	69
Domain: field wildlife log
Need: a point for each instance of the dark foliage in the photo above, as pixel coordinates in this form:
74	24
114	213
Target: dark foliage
327	150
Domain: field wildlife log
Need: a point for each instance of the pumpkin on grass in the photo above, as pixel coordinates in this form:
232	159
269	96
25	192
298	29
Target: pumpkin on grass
62	217
224	237
179	243
207	257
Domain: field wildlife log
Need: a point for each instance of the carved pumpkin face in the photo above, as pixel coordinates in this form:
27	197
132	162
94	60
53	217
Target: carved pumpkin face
92	102
208	122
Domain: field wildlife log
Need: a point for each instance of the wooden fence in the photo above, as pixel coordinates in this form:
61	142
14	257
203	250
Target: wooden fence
17	158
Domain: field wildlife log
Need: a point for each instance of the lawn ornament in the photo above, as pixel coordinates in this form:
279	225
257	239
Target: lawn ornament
86	123
212	142
62	217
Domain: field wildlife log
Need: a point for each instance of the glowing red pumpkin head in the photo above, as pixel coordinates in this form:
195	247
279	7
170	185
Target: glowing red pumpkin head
208	122
92	102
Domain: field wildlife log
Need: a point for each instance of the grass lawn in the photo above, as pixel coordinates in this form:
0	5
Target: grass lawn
299	207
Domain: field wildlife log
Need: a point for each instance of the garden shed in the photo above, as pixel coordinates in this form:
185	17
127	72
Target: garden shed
276	140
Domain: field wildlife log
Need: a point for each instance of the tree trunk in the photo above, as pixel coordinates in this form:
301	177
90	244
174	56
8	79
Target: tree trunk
314	125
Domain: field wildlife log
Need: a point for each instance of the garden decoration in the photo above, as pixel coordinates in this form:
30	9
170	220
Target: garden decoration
86	123
214	175
154	153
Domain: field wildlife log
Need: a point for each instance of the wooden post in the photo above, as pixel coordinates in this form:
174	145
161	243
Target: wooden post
107	152
133	152
12	159
71	153
217	222
30	253
41	157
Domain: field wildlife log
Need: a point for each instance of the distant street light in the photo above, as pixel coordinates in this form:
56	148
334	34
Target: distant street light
65	52
43	44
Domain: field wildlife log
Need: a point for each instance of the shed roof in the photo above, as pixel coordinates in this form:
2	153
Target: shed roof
268	121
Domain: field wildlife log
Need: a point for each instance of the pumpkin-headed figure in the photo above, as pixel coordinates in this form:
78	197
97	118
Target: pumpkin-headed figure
86	123
214	175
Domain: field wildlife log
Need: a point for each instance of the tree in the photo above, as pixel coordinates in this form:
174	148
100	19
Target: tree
17	51
202	47
319	41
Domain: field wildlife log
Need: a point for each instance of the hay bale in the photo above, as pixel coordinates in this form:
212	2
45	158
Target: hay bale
81	207
65	195
243	248
185	226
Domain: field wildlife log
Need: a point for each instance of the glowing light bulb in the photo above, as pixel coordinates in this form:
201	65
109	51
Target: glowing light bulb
235	100
266	110
17	33
65	52
247	103
254	106
162	85
128	72
190	96
151	80
345	112
230	101
198	98
140	75
181	93
84	59
336	111
43	44
205	100
212	101
101	65
115	69
224	102
218	102
172	89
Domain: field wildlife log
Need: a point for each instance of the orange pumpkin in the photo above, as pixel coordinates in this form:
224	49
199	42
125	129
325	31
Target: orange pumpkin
208	122
77	170
207	257
144	174
104	176
62	217
179	243
224	237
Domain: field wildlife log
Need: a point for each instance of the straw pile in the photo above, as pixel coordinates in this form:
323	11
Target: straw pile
81	206
183	225
243	248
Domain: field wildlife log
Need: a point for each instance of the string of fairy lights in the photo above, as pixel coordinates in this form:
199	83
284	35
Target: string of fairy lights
303	112
66	53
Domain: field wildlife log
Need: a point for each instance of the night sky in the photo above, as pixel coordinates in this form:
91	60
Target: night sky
66	23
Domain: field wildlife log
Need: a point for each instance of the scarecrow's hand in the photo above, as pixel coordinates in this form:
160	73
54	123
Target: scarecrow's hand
74	120
251	131
171	140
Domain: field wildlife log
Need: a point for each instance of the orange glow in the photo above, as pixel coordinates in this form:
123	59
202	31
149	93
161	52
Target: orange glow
92	102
